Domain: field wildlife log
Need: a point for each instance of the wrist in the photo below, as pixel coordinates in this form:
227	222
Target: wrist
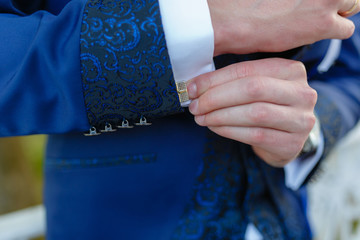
230	37
218	30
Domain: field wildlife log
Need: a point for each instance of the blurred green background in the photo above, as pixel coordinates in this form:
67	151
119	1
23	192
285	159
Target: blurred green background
21	173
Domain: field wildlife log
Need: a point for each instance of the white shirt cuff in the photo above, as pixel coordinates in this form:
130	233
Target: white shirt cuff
189	37
296	171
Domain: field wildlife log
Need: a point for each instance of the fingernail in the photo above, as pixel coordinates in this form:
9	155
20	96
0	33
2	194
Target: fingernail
199	119
194	106
192	90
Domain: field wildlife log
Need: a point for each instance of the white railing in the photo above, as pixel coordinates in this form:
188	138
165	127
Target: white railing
23	224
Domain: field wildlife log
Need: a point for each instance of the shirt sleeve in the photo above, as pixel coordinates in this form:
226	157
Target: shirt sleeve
297	171
189	37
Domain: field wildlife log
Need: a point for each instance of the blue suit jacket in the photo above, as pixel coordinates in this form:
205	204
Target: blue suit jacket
69	65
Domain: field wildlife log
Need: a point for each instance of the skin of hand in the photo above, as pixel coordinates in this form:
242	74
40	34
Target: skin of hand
266	103
273	26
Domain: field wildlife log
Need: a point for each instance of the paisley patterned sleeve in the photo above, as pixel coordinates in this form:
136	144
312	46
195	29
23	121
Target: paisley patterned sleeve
126	71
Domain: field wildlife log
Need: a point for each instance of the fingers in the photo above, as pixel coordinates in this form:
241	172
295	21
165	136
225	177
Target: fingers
350	8
276	147
264	103
254	136
265	115
312	20
253	89
275	67
274	159
344	28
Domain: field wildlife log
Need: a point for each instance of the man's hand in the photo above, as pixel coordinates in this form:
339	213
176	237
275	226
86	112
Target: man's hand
264	103
274	26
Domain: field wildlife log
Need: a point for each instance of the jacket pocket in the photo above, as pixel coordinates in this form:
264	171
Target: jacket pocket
98	162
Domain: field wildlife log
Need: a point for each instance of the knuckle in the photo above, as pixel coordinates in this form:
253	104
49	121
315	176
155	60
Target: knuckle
254	88
214	119
310	96
299	67
331	27
309	122
206	83
306	95
257	136
203	83
258	112
348	30
296	65
314	96
206	101
241	70
227	131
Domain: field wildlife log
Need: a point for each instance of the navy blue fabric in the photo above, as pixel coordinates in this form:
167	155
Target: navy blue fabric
215	209
170	180
338	100
28	6
127	200
275	210
40	84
